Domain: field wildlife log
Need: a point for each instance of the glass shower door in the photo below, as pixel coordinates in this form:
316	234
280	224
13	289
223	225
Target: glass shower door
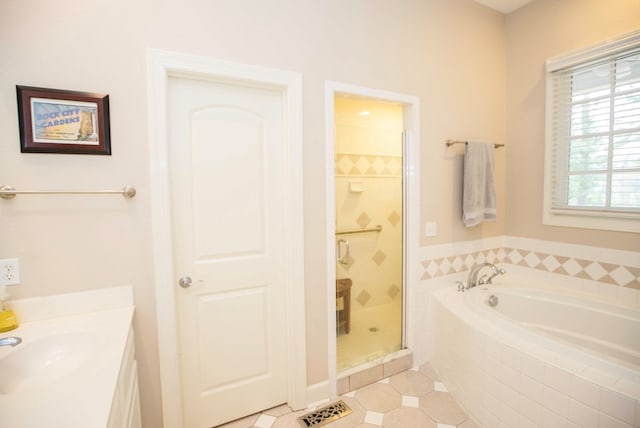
369	230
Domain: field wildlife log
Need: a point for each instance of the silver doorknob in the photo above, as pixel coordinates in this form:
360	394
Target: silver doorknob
185	282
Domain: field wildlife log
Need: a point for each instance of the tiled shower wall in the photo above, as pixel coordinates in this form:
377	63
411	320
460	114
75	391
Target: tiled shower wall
368	194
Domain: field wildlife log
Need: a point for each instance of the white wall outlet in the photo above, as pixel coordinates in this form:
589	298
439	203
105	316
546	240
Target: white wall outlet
430	229
9	272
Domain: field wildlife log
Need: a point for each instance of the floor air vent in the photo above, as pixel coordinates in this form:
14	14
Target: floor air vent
324	415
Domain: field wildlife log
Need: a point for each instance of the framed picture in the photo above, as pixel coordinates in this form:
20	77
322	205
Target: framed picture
59	121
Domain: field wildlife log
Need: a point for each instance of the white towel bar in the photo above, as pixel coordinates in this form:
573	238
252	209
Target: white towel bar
8	192
452	142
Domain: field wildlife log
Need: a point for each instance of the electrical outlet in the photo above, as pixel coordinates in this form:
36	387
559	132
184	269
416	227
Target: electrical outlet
9	272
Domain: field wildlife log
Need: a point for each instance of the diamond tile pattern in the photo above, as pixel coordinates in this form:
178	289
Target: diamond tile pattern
393	291
350	164
363	297
379	257
394	218
609	273
363	220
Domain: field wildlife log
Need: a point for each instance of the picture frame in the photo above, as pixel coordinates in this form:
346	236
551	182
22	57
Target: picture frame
62	121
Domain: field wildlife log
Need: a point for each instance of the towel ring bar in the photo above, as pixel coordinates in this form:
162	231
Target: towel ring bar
8	192
452	142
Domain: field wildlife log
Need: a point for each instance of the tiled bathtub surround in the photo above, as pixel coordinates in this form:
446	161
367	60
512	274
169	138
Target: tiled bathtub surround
613	267
502	378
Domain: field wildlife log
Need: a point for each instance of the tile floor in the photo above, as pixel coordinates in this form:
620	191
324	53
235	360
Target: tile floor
411	399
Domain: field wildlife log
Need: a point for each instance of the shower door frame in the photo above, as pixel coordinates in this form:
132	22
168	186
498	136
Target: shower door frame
411	209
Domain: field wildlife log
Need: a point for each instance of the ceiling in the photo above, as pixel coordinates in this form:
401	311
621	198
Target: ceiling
504	6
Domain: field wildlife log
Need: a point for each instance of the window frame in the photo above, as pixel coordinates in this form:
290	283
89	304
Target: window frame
582	218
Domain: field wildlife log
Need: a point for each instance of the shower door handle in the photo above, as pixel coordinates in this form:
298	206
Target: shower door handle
346	259
185	282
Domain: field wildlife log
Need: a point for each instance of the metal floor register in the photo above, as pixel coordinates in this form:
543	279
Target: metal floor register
324	415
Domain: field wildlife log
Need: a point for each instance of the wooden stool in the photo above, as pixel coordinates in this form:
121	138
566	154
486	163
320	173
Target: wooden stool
343	315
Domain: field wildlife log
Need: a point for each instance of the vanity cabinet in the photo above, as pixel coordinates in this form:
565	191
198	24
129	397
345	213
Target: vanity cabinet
125	408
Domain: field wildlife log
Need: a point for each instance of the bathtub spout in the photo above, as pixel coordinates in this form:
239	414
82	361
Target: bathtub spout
472	281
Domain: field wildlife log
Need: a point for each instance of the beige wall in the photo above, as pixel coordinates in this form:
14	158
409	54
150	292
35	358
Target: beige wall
448	53
543	29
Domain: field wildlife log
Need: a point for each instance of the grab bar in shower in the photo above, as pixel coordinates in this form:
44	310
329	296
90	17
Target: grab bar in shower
378	228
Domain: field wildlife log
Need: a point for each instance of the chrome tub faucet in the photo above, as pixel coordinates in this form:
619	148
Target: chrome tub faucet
473	279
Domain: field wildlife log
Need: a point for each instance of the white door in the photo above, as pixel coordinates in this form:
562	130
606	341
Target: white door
226	160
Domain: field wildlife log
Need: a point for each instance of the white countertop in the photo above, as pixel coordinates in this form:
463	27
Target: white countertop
80	395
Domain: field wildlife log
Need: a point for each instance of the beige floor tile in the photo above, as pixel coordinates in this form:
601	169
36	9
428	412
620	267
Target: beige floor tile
353	404
411	383
443	408
468	424
379	397
428	371
249	421
384	401
351	420
278	411
356	417
405	417
289	420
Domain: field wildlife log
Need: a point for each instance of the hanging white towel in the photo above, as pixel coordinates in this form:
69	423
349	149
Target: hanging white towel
479	188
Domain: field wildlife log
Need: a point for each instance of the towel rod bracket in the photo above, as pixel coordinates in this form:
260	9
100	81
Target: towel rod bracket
6	192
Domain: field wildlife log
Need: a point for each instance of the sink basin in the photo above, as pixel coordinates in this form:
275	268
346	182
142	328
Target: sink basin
44	360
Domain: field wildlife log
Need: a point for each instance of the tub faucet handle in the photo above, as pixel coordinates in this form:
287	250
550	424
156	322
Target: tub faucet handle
460	286
499	272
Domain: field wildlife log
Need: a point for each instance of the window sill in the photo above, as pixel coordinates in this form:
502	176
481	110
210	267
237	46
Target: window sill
593	221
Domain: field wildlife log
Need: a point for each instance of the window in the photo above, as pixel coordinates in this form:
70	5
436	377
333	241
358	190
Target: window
592	167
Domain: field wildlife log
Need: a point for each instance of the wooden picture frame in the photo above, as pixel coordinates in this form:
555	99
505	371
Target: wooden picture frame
60	121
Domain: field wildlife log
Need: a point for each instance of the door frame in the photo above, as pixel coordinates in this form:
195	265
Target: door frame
162	65
411	202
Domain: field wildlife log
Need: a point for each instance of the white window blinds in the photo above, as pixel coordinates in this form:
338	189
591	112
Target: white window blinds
595	135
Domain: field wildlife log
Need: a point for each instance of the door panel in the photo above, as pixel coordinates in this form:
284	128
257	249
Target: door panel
228	232
245	311
226	165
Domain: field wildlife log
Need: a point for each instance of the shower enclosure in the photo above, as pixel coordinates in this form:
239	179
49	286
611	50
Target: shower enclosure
369	229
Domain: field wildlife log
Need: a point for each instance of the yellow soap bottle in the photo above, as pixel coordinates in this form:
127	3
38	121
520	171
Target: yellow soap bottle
8	320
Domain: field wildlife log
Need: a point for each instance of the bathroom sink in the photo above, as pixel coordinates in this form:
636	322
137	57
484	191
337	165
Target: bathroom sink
42	361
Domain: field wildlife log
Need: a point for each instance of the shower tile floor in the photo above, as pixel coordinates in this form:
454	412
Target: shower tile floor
375	332
411	399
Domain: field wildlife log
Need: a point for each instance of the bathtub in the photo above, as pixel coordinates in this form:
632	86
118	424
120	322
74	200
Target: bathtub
608	333
538	358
